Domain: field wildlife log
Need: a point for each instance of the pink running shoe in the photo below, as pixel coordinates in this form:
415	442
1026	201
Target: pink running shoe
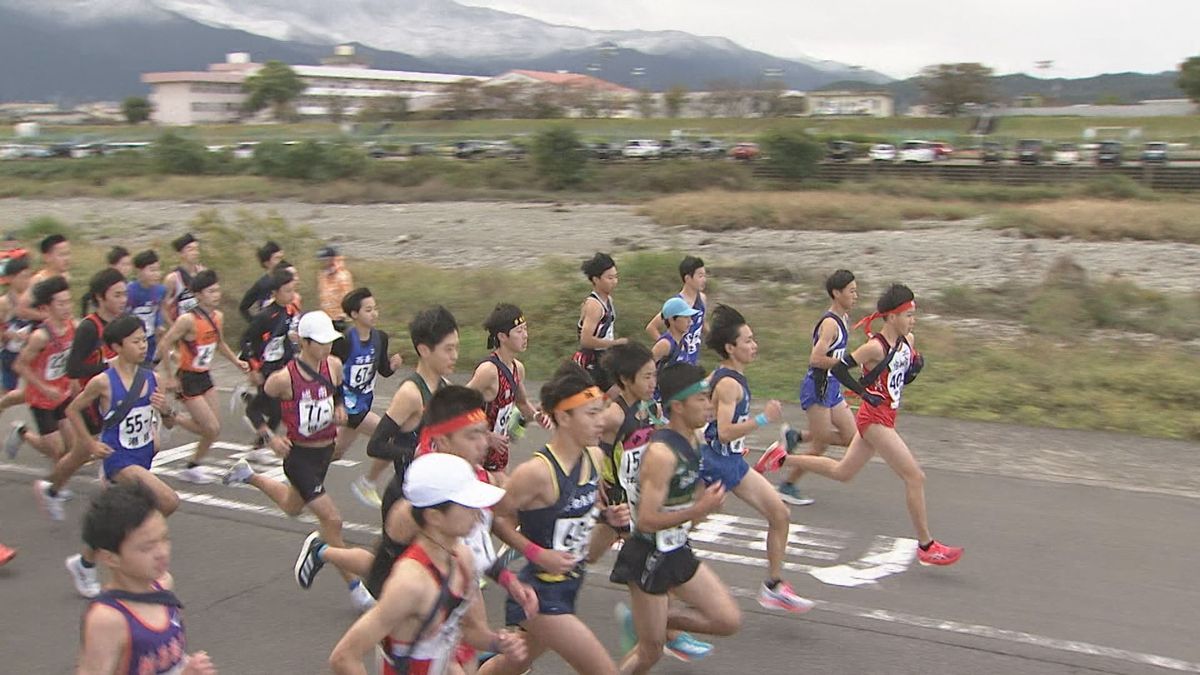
939	554
772	459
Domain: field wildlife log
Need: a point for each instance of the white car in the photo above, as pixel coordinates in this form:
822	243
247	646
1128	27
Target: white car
642	149
882	152
919	152
244	150
1066	153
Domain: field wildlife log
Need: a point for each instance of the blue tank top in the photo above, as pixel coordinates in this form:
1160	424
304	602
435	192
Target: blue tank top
838	349
566	525
358	372
145	302
694	337
133	435
741	413
150	651
677	354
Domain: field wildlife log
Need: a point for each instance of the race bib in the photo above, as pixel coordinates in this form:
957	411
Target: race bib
315	415
149	317
137	429
274	349
505	419
362	378
479	540
204	355
669	540
187	304
572	535
17	343
608	334
627	473
895	382
691	343
56	366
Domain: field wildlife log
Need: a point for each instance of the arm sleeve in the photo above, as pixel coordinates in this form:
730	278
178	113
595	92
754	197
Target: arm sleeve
252	296
385	443
84	344
842	372
341	347
383	362
252	339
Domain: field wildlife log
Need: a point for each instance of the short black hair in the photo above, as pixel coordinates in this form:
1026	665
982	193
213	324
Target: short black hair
570	379
596	265
266	251
203	279
893	297
115	513
451	401
115	254
625	360
723	327
280	276
45	290
677	376
502	319
430	326
102	281
689	266
181	242
418	512
120	328
838	281
145	259
50	241
15	266
353	300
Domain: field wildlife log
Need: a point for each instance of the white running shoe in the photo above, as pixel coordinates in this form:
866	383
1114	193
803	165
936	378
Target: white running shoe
263	456
197	475
366	492
783	597
361	598
87	581
238	473
52	505
15	439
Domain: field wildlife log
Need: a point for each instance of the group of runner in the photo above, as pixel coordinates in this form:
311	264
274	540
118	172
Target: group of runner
644	444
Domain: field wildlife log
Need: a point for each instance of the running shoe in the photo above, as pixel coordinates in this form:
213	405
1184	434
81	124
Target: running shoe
791	494
6	554
309	561
360	597
51	504
687	648
783	597
791	438
238	473
772	458
241	395
196	475
625	621
366	492
939	554
87	581
263	456
16	437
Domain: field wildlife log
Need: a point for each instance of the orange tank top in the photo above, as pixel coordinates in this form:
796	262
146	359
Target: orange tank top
197	354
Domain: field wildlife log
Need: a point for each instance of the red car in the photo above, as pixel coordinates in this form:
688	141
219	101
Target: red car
941	150
744	151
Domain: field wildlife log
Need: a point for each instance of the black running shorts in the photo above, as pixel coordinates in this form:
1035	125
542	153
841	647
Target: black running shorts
654	572
305	468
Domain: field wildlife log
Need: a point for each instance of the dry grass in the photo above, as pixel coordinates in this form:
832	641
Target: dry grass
720	211
1105	220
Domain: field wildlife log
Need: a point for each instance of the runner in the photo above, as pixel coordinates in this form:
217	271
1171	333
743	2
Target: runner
723	460
259	294
56	262
118	259
671	346
193	340
501	379
554	498
15	329
695	279
363	353
666	496
179	298
334	281
432	598
309	391
830	421
268	347
146	295
889	362
435	338
119	634
597	319
129	432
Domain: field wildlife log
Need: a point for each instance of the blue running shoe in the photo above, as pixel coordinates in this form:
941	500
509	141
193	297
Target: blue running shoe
789	493
625	621
687	648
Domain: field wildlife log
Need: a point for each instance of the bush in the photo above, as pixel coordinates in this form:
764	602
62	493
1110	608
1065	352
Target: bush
174	154
309	160
40	226
793	154
559	157
1114	186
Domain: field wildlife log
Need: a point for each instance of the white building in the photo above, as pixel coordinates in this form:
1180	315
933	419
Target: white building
851	103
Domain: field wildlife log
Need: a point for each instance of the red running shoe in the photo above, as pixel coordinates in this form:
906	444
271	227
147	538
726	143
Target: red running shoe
939	554
6	554
772	459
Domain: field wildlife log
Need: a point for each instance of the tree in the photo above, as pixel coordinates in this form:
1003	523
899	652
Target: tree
136	109
276	85
674	99
175	154
559	157
385	109
949	87
645	104
1189	78
793	154
466	98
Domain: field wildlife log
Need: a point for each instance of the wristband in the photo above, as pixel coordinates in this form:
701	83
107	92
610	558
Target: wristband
761	419
532	551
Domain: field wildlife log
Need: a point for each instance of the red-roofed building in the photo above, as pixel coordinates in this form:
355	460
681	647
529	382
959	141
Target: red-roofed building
573	94
565	80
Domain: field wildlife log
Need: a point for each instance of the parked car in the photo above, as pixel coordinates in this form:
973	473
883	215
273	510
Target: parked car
1066	153
991	152
1154	152
601	151
916	152
1029	151
642	149
709	148
245	150
470	149
675	149
840	151
941	150
1108	153
882	152
502	150
745	151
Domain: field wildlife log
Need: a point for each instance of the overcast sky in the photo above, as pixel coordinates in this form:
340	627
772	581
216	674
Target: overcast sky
898	37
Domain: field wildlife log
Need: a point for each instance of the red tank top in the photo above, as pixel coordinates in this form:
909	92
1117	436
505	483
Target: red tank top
51	365
890	383
432	651
499	410
309	415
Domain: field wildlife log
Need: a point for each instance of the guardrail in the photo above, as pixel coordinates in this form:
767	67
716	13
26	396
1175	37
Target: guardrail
1174	178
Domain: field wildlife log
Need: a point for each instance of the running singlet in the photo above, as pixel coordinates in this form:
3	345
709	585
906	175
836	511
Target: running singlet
566	525
837	350
151	651
51	366
358	371
22	328
501	411
308	417
693	338
741	413
681	491
102	352
890	383
432	650
632	439
185	299
145	302
197	354
131	438
604	329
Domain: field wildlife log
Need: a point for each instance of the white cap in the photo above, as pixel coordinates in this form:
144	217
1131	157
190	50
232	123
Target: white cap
318	327
439	477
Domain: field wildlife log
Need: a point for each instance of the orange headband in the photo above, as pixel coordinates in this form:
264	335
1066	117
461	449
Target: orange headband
449	426
573	402
867	320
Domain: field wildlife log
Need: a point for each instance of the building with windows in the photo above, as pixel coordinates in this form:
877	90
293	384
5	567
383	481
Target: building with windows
850	103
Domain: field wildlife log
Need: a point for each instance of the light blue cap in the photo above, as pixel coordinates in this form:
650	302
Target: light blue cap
677	306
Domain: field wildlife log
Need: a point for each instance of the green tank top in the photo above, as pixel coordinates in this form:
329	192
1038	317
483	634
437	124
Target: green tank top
681	489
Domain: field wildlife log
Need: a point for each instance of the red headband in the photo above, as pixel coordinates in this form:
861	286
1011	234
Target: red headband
425	445
867	320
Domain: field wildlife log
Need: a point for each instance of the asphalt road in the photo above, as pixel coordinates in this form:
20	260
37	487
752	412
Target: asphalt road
1080	555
